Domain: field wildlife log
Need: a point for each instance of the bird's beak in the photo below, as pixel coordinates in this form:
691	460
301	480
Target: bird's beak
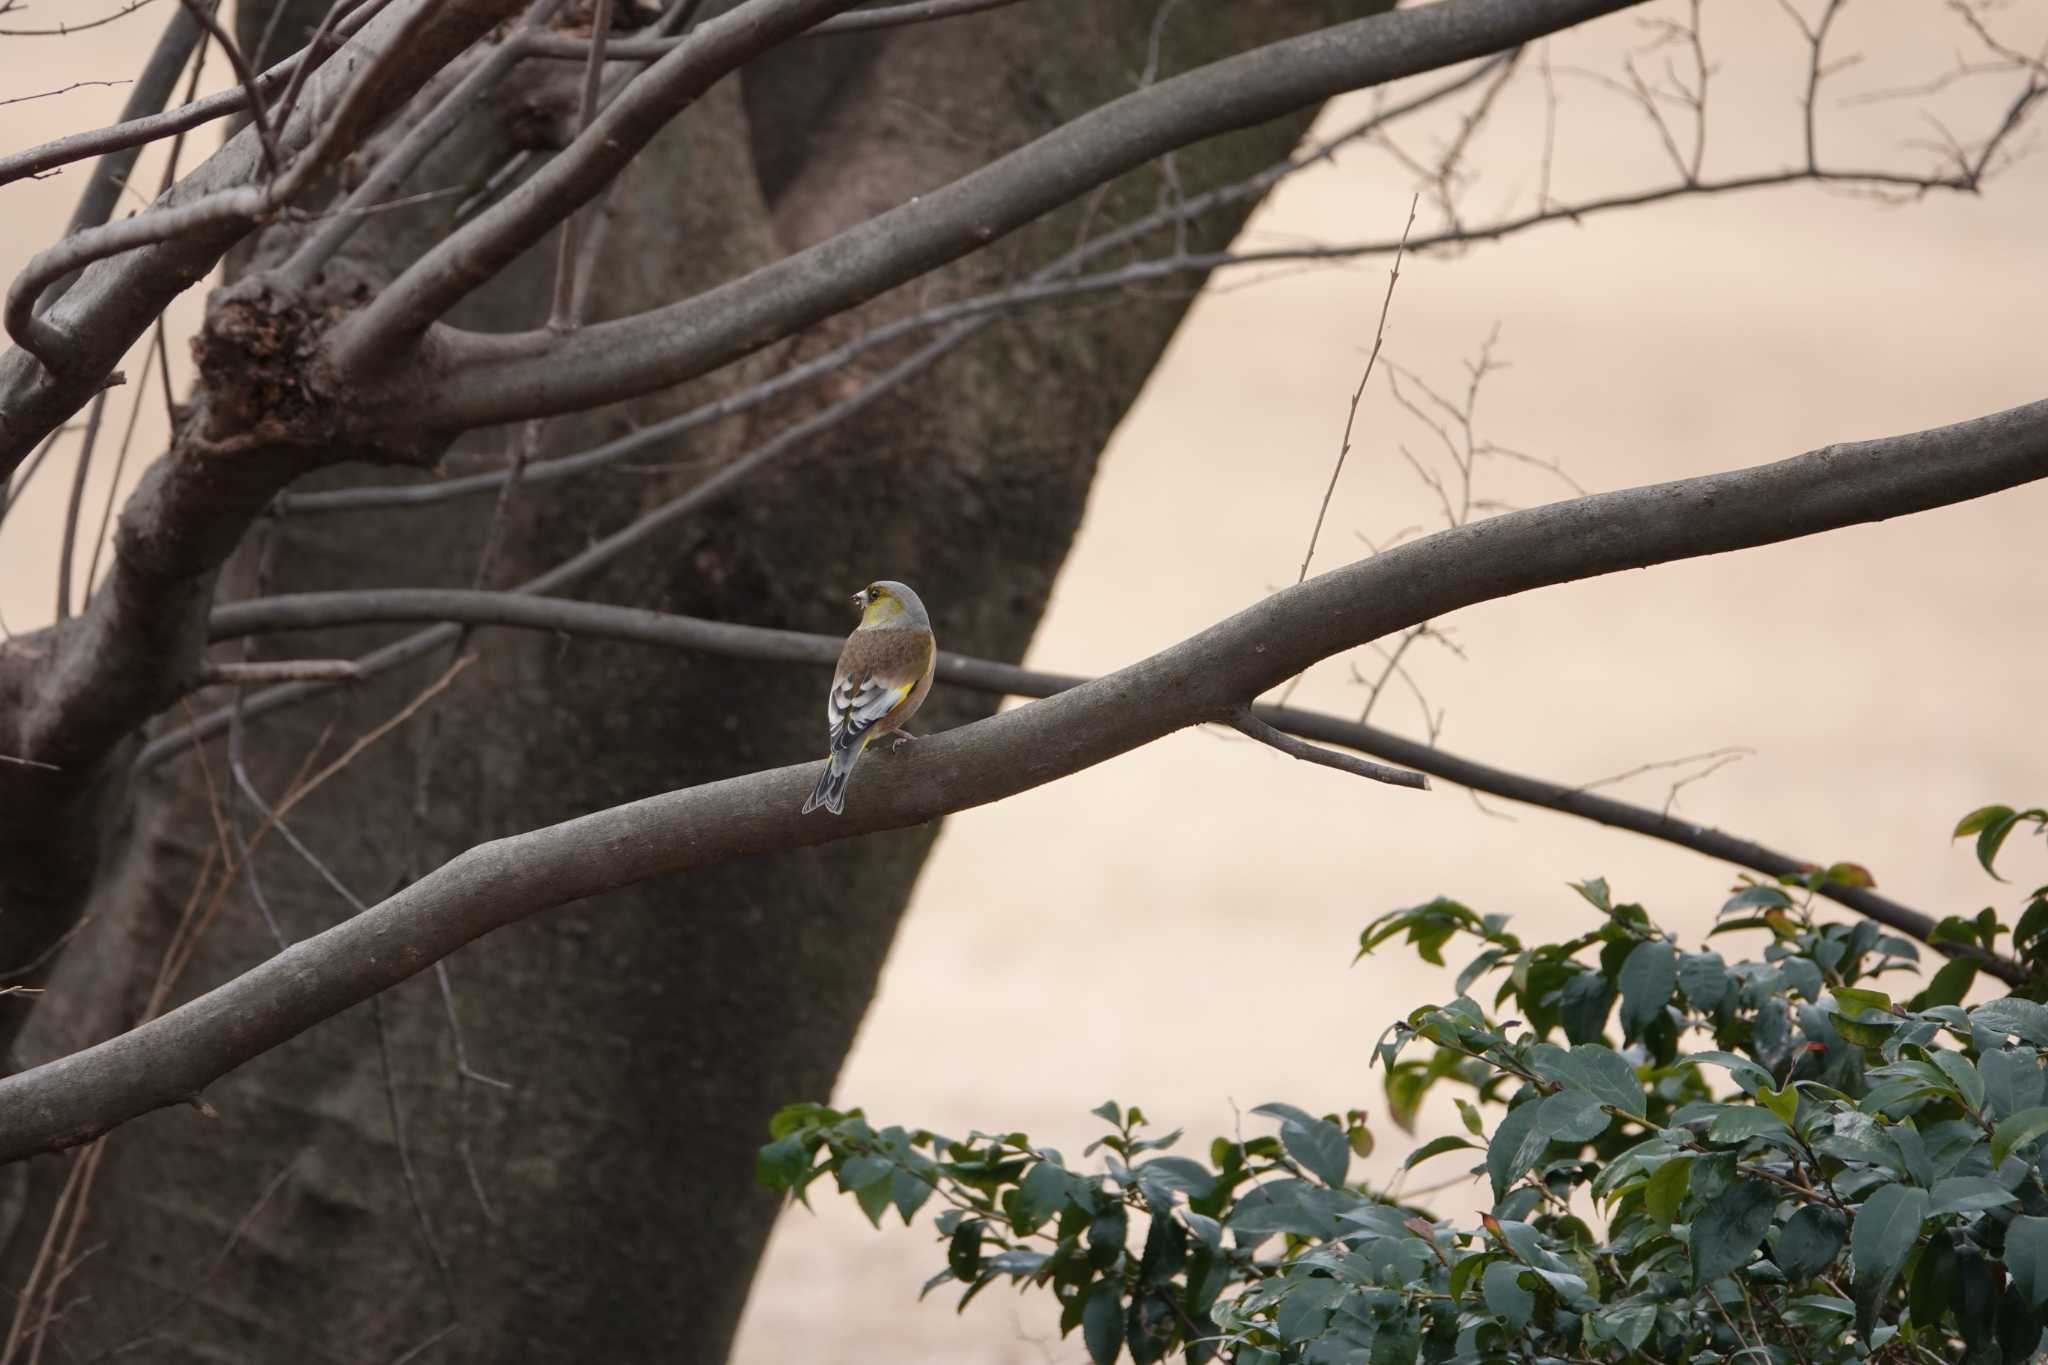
860	599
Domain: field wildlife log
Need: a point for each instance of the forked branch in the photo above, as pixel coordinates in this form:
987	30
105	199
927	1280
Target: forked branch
1202	679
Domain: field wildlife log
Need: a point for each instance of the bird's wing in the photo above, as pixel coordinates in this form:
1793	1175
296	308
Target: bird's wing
878	670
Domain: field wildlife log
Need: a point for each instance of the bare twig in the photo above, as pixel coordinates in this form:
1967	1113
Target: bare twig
144	1336
67	549
398	1138
563	315
1247	723
155	357
1351	414
391	169
266	135
318	48
301	791
60	90
271	671
136	131
429	1343
61	30
1816	35
1718	757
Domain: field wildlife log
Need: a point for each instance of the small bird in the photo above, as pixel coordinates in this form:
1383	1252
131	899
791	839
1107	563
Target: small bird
884	672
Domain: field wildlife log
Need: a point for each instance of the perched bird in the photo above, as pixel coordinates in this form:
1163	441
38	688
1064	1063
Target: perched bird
884	672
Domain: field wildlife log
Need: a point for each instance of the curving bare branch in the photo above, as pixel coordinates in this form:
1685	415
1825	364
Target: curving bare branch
83	335
599	620
1207	677
486	379
384	333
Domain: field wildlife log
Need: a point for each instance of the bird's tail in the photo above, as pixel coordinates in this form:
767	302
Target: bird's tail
831	789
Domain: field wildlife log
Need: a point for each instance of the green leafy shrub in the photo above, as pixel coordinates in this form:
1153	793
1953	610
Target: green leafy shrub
1690	1159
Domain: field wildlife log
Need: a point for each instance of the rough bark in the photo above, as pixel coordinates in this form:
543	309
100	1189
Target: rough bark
647	1036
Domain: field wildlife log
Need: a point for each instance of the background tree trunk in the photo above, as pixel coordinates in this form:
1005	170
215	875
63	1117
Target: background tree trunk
646	1038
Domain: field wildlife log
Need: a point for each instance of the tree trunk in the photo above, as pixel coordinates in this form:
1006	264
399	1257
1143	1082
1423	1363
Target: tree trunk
605	1207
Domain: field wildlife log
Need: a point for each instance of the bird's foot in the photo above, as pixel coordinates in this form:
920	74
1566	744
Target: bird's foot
898	739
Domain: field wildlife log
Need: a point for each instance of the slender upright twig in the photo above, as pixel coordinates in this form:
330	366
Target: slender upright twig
1351	416
562	316
67	549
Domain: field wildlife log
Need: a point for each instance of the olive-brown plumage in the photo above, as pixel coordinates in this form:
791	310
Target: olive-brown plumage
884	672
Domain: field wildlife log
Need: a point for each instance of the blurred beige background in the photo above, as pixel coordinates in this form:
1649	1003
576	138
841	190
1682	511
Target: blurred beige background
1174	928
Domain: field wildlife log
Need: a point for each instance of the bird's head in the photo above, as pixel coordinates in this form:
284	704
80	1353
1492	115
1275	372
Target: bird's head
886	602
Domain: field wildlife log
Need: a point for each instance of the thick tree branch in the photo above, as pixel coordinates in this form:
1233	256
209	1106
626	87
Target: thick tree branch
479	380
406	606
135	131
1051	280
648	49
241	205
587	561
1205	678
115	300
383	333
146	97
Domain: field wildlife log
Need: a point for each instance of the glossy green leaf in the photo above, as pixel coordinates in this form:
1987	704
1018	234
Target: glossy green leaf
2013	1080
2024	1018
1745	1071
783	1163
1992	836
2017	1131
1730	1229
1516	1145
1647	980
1882	1236
1305	1312
1594	889
1102	1323
1571	1116
1583	1006
1502	1289
1435	1147
1703	977
1979	818
857	1173
1934	1281
1849	1000
1949	985
1757	897
1809	1241
1628	1323
1741	1122
2026	1258
1318	1144
1963	1076
1664	1192
1468	1114
1592	1069
1106	1235
1395	1343
1885	1230
963	1252
1784	1103
1968	1194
